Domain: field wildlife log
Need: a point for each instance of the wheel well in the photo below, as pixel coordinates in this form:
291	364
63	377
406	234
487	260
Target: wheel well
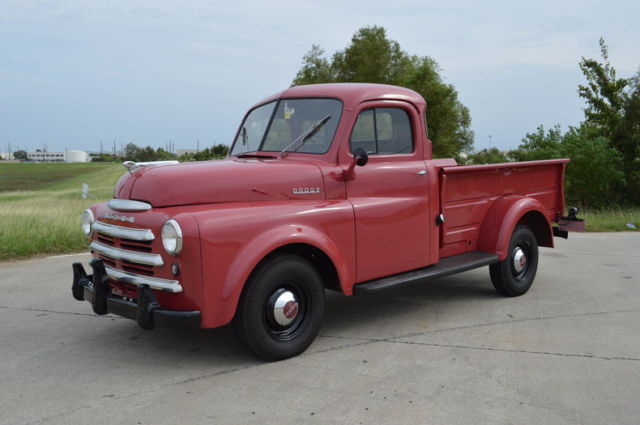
317	257
539	226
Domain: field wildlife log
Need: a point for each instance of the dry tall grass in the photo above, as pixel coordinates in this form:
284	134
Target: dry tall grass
47	221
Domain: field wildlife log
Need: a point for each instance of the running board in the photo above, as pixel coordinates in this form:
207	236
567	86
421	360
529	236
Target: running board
447	266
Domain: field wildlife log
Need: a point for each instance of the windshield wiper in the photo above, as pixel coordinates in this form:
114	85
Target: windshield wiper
306	135
253	155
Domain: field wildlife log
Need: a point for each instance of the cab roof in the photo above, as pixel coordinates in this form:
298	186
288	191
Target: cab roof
351	94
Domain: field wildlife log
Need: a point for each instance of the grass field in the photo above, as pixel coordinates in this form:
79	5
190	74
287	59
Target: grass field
40	205
612	220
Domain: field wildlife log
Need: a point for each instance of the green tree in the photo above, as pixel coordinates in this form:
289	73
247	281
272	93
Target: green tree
605	148
594	171
21	154
539	145
315	69
448	120
105	157
131	152
373	58
487	156
604	93
627	140
218	151
163	155
613	112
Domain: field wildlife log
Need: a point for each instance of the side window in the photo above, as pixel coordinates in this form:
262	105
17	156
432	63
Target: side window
364	133
383	131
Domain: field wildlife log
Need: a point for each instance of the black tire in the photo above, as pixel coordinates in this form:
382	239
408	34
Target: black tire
514	276
261	317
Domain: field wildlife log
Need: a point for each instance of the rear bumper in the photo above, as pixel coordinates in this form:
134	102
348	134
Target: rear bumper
145	310
568	224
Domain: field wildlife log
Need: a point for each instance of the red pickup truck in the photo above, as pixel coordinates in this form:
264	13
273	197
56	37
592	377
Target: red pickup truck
328	186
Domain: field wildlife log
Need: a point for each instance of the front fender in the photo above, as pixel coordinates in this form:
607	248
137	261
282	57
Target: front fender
236	238
263	244
501	220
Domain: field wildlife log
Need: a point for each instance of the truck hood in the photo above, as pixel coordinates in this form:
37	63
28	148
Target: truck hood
230	180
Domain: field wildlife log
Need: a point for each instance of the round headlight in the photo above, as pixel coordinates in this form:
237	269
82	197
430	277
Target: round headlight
86	221
172	237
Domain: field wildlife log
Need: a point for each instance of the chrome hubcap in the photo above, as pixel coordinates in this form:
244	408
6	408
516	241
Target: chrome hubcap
519	260
285	308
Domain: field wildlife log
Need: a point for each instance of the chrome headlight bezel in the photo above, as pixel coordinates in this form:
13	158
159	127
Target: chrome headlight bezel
86	221
171	235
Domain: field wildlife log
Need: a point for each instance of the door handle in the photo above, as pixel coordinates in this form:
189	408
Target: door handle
421	172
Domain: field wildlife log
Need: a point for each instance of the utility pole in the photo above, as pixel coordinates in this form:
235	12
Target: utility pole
490	136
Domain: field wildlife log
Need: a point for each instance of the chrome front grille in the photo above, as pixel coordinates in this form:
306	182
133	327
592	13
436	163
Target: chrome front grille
106	240
137	268
136	246
153	282
127	254
141	235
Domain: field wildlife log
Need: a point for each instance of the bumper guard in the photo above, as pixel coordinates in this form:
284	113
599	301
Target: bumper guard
96	290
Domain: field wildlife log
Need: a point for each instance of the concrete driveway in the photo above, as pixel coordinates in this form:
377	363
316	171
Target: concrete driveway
445	352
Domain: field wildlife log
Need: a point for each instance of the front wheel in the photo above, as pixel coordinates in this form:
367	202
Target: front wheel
281	308
514	275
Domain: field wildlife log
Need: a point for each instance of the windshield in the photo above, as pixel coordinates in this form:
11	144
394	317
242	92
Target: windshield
269	131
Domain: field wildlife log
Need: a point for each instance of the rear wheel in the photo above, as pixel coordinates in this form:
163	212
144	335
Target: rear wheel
515	274
281	308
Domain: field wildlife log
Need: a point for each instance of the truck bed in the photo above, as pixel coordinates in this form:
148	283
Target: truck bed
467	193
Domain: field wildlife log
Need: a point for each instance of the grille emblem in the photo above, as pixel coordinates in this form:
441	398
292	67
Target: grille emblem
122	218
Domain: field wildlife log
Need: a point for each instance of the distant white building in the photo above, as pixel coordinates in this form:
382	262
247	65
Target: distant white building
66	156
77	156
7	156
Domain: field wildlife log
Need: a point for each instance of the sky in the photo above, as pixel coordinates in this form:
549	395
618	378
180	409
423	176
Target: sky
74	73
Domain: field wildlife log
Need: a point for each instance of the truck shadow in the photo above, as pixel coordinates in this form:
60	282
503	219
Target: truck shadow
414	302
403	308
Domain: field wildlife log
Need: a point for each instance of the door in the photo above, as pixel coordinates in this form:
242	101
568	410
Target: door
390	193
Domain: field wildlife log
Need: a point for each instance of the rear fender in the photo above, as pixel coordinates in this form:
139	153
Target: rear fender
502	218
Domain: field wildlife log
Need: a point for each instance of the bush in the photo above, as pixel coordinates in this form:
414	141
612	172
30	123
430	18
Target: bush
487	156
594	171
